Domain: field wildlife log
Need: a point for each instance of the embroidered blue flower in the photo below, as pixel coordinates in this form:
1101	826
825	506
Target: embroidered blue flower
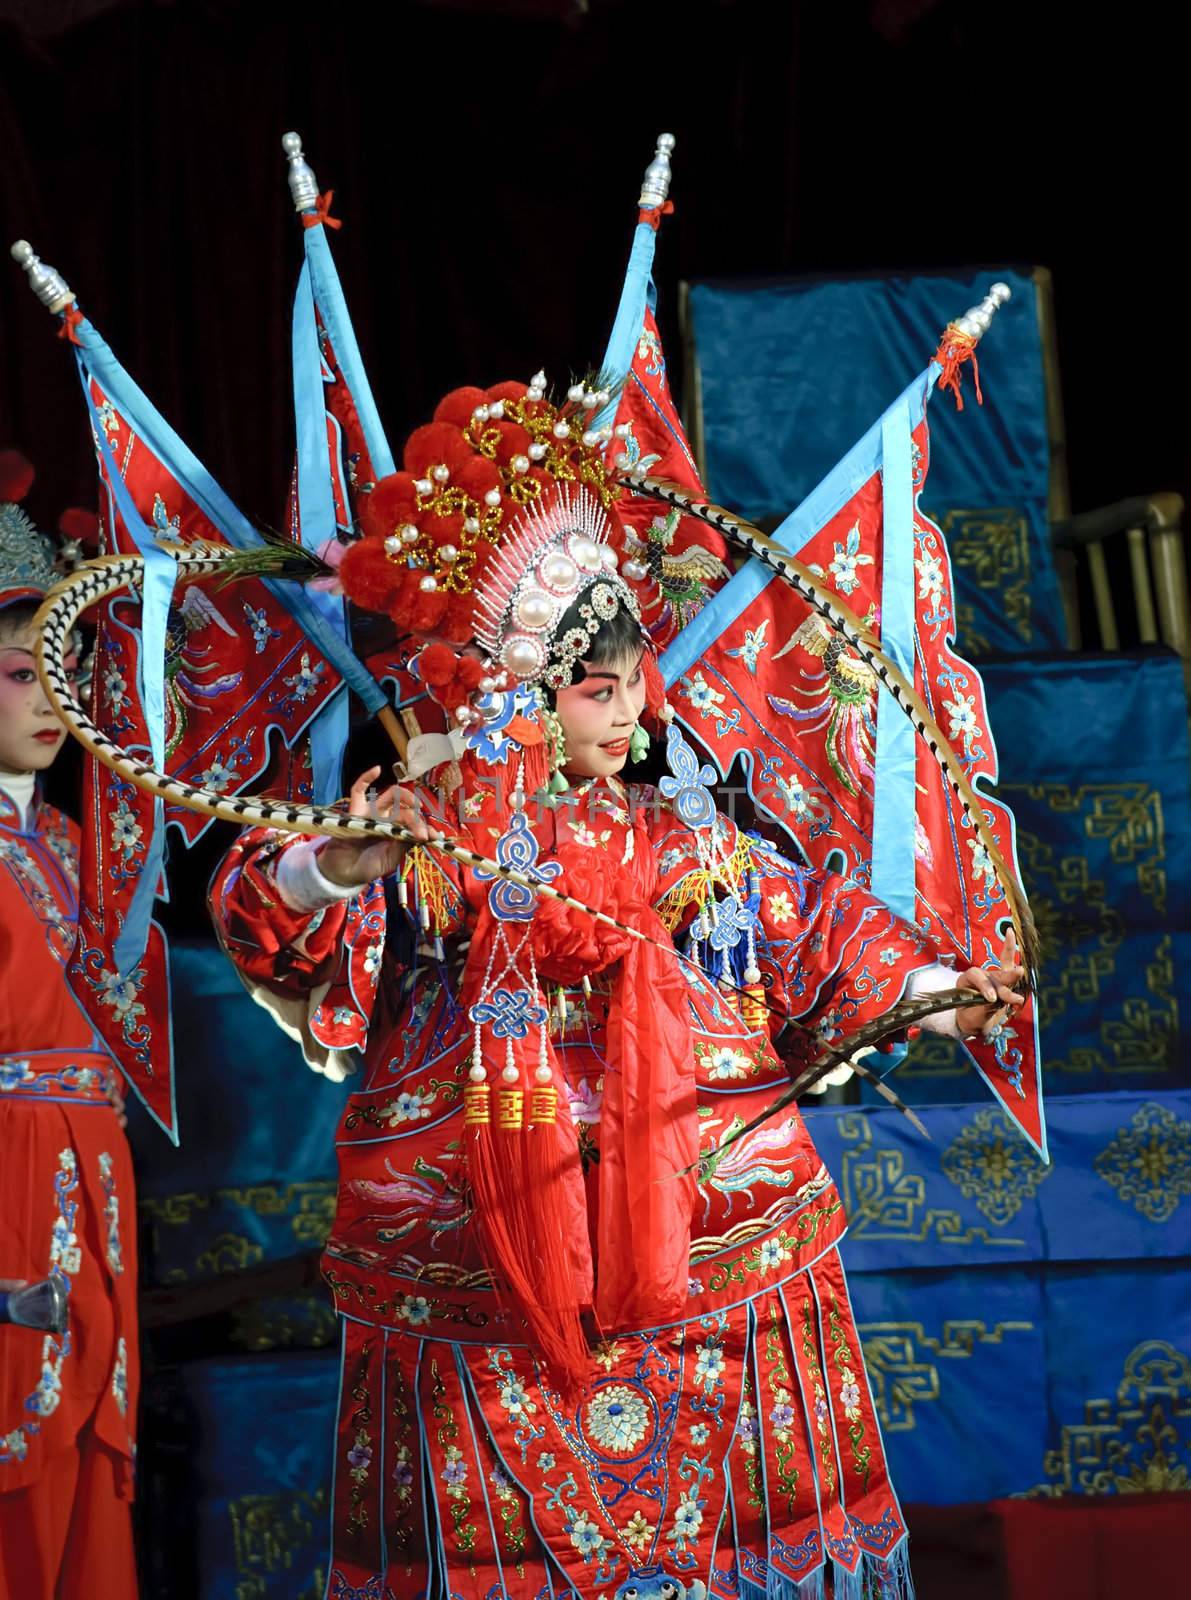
586	1537
13	1074
709	1364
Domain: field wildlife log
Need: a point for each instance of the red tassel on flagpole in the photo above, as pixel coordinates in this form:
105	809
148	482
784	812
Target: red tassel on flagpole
321	215
956	348
653	214
71	318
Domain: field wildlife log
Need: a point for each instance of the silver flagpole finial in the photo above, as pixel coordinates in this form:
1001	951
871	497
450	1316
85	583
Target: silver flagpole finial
303	185
977	320
655	186
50	287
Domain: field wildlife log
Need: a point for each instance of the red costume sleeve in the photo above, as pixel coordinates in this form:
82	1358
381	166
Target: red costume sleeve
831	956
289	951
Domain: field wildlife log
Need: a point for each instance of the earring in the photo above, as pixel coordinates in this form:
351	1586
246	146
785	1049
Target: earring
638	744
556	750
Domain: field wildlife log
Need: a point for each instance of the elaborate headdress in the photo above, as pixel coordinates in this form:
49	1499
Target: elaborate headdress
30	561
502	521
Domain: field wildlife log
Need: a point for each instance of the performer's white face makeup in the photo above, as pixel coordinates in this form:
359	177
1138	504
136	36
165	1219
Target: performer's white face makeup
30	733
598	715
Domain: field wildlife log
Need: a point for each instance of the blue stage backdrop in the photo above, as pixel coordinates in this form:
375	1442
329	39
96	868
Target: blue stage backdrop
1026	1328
1095	765
235	1447
254	1178
793	371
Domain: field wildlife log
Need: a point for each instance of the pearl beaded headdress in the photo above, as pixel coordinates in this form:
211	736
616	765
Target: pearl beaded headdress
500	522
556	554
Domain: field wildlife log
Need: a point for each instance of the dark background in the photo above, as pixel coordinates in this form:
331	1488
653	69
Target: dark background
485	159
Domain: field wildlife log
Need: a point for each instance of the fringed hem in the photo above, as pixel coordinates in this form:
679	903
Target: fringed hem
876	1578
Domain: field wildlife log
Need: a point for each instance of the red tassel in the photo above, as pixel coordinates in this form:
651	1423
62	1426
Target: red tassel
321	215
956	348
653	214
71	318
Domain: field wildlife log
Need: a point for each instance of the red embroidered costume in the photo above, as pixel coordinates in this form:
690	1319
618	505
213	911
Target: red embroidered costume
67	1209
520	1161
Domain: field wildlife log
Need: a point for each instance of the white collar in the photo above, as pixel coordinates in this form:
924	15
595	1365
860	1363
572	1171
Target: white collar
20	788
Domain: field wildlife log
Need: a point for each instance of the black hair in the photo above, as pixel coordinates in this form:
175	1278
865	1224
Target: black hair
617	638
16	618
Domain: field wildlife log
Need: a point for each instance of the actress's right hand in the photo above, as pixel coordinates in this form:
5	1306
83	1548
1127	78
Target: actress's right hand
351	863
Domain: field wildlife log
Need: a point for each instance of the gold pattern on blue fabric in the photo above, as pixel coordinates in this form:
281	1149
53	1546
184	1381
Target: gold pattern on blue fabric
269	1531
990	545
1087	967
1149	1163
300	1321
309	1206
885	1202
897	1357
1129	1444
1083	930
990	1162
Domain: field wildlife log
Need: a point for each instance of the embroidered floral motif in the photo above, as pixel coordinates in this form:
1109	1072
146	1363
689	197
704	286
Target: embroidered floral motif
584	836
13	1074
702	696
403	1473
120	1377
618	1418
637	1532
748	1437
65	1260
120	995
585	1536
819	1408
218	775
514	1398
359	1456
407	1108
508	1503
115	689
771	1254
849	1393
803	1229
111	1211
725	1063
688	1518
126	831
847	558
454	1473
414	1309
709	1363
781	908
26	869
782	1416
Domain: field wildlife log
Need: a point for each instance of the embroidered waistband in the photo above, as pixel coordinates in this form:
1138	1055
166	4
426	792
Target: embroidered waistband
80	1076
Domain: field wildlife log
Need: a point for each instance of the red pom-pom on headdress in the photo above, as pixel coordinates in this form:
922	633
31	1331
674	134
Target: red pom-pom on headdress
458	406
391	503
81	525
16	475
368	577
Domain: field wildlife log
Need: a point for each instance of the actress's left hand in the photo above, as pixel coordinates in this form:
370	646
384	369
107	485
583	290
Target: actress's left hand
997	985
